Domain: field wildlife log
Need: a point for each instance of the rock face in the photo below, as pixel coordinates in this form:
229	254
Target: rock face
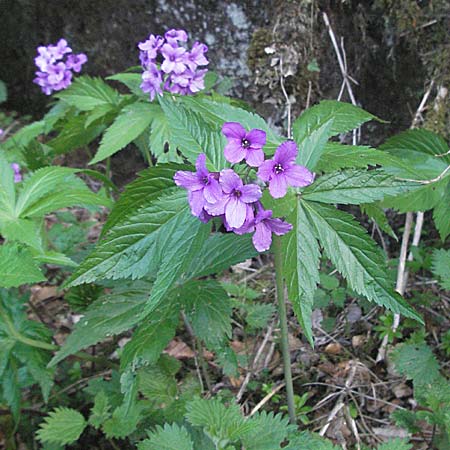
108	31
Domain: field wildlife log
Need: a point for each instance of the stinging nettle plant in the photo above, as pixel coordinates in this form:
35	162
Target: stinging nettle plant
244	182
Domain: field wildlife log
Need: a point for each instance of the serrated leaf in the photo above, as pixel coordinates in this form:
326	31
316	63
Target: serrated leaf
312	146
123	421
355	256
337	156
62	426
25	231
355	187
219	252
17	267
137	246
171	437
269	432
131	80
441	215
301	259
7	190
344	116
208	309
192	135
128	125
110	314
376	213
396	444
441	266
310	441
100	411
11	387
416	361
217	114
86	93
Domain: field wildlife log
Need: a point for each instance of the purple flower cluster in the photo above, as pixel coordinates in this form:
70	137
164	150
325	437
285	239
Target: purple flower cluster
54	72
225	195
171	67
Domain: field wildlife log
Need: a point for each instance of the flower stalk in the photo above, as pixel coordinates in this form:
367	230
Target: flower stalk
284	328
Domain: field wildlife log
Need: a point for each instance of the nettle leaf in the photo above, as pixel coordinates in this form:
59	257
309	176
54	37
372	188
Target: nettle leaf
17	267
355	187
344	116
128	125
7	190
109	315
192	135
26	231
377	214
131	80
171	437
312	146
219	252
123	422
217	114
301	266
441	266
269	432
441	214
87	93
138	246
100	412
208	309
356	256
62	426
337	156
310	441
396	444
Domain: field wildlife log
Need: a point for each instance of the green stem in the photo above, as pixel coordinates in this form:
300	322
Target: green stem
284	328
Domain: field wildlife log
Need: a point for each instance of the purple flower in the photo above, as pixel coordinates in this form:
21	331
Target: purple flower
174	36
265	225
151	46
281	171
173	59
236	197
249	223
202	185
60	49
17	174
196	57
151	81
74	62
242	145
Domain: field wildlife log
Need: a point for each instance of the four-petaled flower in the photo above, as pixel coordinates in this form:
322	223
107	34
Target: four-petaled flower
173	59
202	185
265	225
242	145
281	171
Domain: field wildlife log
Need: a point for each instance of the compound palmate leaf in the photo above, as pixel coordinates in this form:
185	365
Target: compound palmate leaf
356	256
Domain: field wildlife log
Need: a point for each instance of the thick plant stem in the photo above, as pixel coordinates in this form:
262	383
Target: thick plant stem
284	328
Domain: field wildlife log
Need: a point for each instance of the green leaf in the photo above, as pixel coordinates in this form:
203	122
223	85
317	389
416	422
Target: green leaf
337	156
110	314
3	92
171	437
62	426
123	421
344	116
356	256
219	252
7	190
301	260
17	267
25	231
441	266
192	135
217	114
87	93
208	308
310	441
137	246
355	187
11	387
100	412
395	444
416	361
441	214
131	80
129	124
268	433
312	146
376	213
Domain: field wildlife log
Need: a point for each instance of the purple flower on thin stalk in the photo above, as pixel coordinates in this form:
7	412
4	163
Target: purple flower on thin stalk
281	171
203	186
236	197
265	225
17	174
173	59
174	36
242	145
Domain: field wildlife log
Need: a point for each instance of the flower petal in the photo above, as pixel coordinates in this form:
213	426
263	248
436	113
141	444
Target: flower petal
212	191
278	226
233	130
262	239
229	180
257	138
254	157
250	193
278	186
187	180
286	154
217	208
233	151
196	202
200	165
249	223
299	176
265	171
235	212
